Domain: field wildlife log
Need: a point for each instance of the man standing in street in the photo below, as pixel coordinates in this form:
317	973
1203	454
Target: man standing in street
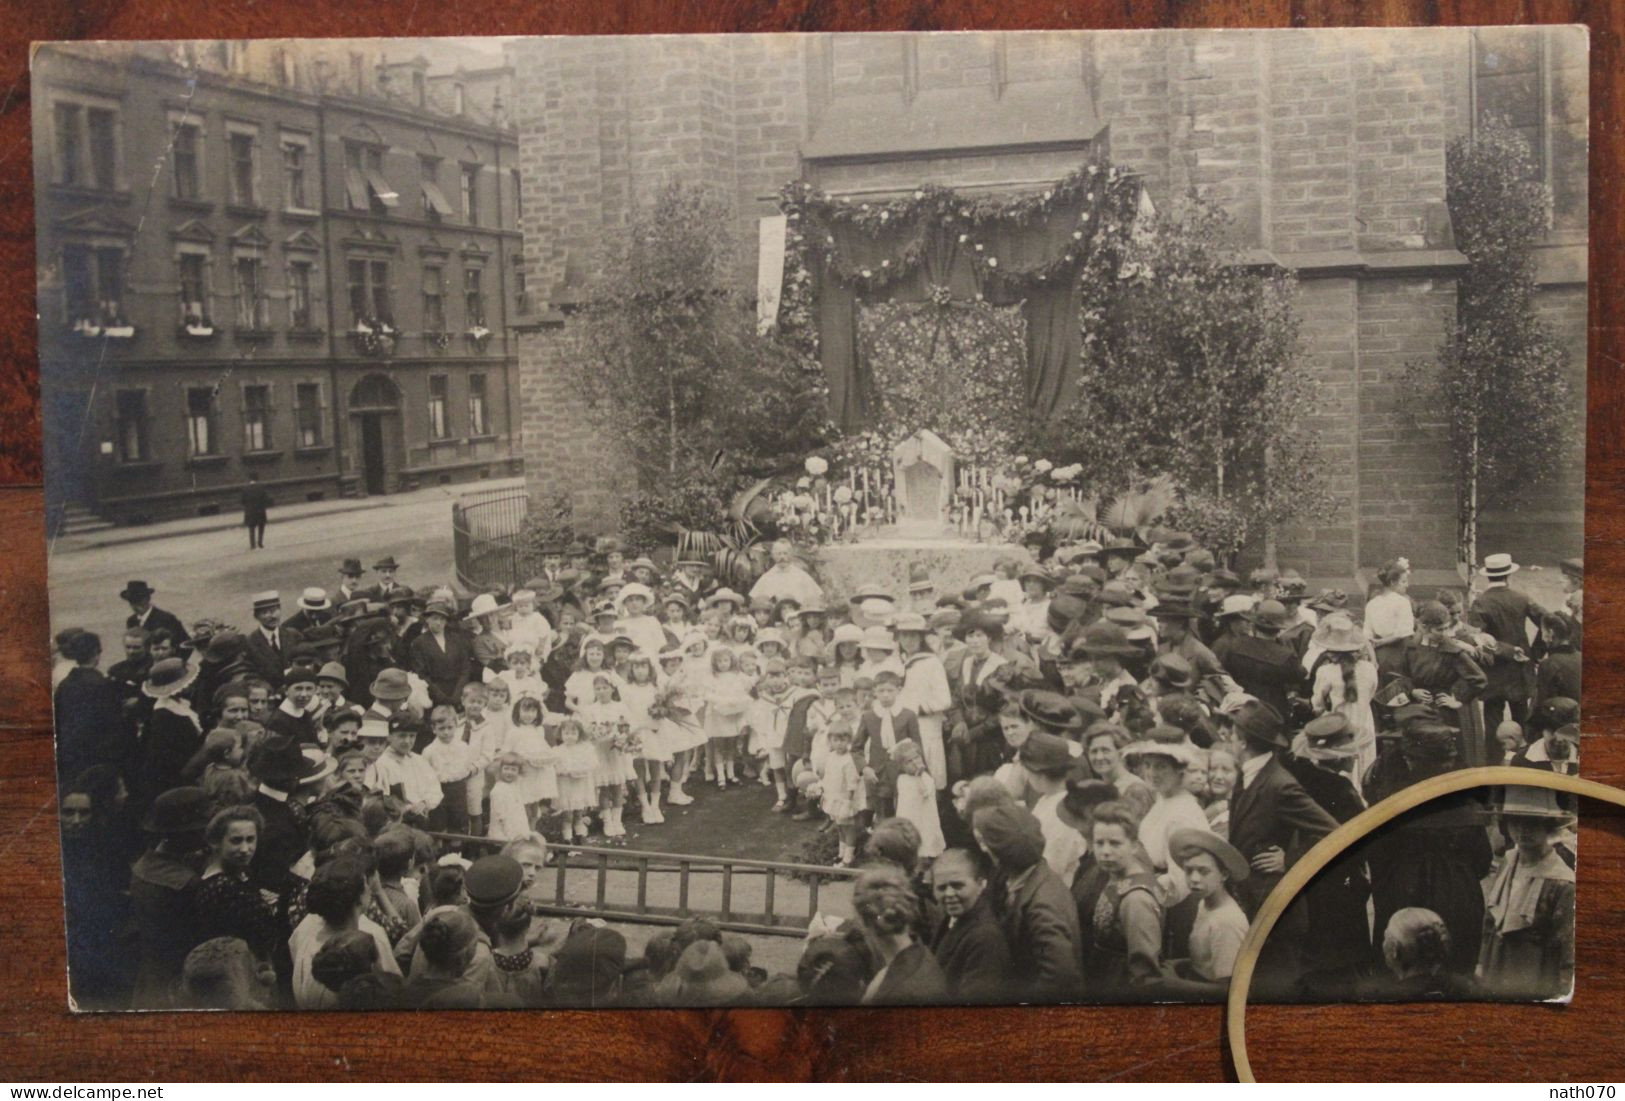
256	504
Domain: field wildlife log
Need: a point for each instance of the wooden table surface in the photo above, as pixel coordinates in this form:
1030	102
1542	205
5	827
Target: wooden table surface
40	1040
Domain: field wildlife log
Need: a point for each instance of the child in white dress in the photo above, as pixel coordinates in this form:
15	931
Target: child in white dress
509	820
917	797
575	763
841	786
639	694
593	662
681	732
538	783
727	695
608	726
521	676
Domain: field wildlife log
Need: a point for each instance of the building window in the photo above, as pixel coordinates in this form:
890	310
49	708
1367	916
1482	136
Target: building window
1536	81
194	270
256	418
131	412
364	183
520	303
86	146
200	434
185	152
299	315
474	296
358	73
435	206
307	407
244	152
439	423
420	89
476	405
518	197
434	299
70	144
471	194
92	281
459	99
369	291
294	154
251	300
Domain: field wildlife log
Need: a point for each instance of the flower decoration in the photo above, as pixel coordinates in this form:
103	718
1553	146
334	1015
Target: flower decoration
1043	466
817	466
843	494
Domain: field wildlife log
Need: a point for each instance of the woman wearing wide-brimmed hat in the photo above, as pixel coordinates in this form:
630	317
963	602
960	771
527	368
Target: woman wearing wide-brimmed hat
1442	669
1161	761
163	886
173	731
1528	947
1344	683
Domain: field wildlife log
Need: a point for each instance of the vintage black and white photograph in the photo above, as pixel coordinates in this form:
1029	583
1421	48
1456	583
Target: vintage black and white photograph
810	520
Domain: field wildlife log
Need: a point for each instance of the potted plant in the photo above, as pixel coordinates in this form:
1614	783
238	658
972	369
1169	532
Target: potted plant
479	335
194	322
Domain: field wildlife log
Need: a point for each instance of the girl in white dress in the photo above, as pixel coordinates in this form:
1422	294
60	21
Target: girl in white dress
592	662
1162	766
608	726
917	798
509	820
538	785
576	763
639	694
727	695
520	675
681	732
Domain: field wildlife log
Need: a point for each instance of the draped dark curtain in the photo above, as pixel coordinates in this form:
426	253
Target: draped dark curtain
1054	342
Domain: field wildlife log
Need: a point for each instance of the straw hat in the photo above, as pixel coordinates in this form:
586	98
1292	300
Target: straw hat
1183	842
877	638
169	677
1338	634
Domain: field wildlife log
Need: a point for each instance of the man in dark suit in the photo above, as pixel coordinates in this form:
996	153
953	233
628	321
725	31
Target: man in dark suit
440	656
270	646
1504	612
969	943
256	511
387	586
350	588
314	610
138	595
1040	917
1273	821
1260	663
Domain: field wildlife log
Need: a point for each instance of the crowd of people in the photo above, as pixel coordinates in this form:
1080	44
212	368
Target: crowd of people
1073	780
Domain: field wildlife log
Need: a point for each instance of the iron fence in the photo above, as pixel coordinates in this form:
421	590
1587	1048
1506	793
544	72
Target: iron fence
488	545
656	888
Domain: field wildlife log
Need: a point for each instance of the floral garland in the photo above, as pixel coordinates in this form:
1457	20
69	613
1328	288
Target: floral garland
1107	198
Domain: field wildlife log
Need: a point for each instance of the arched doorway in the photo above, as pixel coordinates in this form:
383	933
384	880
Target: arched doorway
375	406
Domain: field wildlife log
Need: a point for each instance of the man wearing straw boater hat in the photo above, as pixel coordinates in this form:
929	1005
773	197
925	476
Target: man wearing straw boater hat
1504	613
315	609
270	645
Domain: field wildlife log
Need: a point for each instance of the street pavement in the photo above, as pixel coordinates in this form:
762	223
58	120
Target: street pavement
212	572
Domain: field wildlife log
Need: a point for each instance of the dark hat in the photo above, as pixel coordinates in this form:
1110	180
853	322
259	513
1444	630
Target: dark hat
387	562
400	595
1083	795
1116	594
1429	742
1011	834
1260	722
587	965
1329	737
404	722
1330	600
1106	638
702	977
1046	753
1034	573
1173	670
1224	579
978	620
1182	579
1432	614
1183	842
1050	710
1064	610
281	762
224	646
390	685
351	567
179	810
136	590
1120	545
493	881
1573	567
1555	711
1269	614
1174	606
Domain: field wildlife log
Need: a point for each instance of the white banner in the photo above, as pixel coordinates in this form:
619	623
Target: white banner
769	270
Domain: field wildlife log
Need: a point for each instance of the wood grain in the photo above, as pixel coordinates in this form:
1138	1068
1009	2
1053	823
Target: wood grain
40	1040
